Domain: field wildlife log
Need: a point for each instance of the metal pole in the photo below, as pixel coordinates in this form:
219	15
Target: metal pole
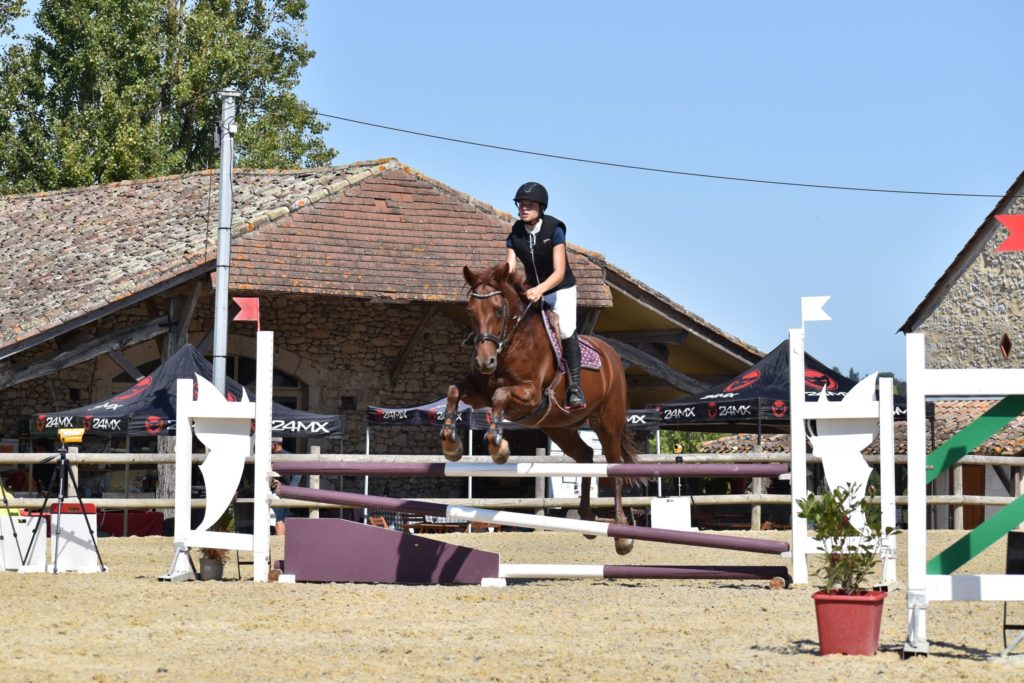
220	319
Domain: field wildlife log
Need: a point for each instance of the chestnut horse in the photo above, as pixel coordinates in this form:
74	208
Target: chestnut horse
514	372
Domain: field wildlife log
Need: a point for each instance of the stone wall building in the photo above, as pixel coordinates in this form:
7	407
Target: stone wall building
359	273
973	317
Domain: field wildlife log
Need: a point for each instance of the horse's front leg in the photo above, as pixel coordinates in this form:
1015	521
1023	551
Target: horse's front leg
451	443
523	394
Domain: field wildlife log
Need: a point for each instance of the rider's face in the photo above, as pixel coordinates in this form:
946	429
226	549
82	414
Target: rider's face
529	210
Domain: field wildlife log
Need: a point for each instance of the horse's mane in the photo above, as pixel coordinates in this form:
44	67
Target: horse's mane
517	280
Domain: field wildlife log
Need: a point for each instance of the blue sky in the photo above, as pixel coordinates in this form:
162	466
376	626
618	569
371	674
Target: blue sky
909	95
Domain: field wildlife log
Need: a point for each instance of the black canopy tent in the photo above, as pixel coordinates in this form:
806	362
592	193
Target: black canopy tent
638	420
757	400
149	407
641	419
468	418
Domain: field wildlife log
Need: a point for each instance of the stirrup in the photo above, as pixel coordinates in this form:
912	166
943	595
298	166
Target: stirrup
574	399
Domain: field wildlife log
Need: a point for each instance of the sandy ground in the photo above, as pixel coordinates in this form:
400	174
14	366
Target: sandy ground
126	626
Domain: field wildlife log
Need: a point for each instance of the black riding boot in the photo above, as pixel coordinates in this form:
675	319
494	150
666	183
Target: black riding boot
574	399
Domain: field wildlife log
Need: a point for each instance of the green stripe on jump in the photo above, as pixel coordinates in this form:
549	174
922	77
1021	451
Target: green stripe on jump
987	533
972	436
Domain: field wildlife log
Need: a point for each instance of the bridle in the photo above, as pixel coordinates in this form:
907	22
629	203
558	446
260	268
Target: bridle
500	341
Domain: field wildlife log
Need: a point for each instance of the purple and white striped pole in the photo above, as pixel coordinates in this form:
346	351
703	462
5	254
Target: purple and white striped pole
528	469
627	571
504	518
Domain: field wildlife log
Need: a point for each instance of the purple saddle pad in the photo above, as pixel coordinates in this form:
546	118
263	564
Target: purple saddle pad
589	357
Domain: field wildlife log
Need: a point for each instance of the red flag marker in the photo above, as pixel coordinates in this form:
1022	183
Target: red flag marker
248	309
1015	224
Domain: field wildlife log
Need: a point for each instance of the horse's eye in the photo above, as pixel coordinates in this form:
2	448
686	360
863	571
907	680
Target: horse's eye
500	313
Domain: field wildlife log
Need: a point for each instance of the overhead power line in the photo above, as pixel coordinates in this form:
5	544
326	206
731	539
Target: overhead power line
651	169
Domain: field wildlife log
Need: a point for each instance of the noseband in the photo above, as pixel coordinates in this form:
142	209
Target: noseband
501	341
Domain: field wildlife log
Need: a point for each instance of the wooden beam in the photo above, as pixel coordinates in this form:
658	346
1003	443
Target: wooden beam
710	380
93	316
653	349
652	366
187	311
644	382
126	365
396	366
115	341
684	319
205	343
586	319
170	340
649	336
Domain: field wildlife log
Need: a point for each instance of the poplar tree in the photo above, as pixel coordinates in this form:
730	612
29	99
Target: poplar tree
107	90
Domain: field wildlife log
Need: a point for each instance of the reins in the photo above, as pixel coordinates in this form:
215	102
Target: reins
503	338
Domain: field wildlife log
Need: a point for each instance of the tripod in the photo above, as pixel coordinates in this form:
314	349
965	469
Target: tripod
60	477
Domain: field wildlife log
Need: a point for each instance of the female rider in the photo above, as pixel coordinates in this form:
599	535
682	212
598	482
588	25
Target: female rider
538	240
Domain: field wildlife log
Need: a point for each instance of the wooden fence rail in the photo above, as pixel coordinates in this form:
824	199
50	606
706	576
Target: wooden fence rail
755	500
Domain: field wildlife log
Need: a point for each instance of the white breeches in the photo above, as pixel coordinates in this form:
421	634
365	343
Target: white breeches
564	303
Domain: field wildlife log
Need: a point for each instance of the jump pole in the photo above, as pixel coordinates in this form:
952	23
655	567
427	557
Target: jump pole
626	571
504	518
527	469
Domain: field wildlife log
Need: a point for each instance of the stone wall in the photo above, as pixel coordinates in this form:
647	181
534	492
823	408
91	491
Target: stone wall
987	301
342	351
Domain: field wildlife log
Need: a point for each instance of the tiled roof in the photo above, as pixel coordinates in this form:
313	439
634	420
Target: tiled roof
374	229
950	418
396	236
707	329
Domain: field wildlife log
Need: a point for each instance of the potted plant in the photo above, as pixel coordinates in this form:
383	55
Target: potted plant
212	560
849	614
211	563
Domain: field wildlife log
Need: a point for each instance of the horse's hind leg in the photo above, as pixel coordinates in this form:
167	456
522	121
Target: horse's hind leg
576	448
611	445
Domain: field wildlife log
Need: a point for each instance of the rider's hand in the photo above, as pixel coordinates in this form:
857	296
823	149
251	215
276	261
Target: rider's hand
534	294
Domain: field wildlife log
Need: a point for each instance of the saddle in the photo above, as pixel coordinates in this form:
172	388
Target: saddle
589	357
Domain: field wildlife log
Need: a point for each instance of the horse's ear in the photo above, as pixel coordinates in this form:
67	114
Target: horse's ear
504	274
470	276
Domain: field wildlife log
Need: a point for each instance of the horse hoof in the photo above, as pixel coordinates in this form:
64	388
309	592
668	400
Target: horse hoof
589	537
500	454
453	454
623	546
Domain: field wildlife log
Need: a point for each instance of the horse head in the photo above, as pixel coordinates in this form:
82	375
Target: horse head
495	306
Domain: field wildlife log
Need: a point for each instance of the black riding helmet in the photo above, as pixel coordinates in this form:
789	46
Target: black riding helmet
535	192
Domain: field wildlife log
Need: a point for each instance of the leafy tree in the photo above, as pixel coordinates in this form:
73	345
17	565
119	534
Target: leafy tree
107	90
899	385
683	442
9	11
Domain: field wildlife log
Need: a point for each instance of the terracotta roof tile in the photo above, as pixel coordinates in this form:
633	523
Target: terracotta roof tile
396	236
375	229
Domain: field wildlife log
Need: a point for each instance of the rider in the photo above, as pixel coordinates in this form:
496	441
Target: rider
538	240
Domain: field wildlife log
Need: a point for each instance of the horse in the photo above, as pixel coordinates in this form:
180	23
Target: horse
513	371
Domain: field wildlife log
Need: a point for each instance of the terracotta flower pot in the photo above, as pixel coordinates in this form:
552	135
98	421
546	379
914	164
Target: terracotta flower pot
849	624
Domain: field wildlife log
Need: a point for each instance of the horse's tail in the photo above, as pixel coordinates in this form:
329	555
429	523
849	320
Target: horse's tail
629	456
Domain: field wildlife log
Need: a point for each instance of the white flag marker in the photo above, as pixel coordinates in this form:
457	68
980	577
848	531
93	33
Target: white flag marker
813	308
